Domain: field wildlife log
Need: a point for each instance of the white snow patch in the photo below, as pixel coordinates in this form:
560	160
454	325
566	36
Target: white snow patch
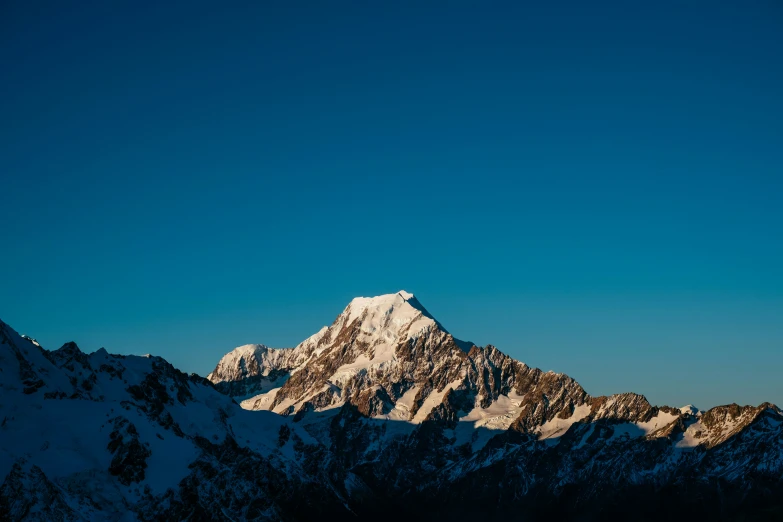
690	409
661	420
556	427
402	408
642	429
481	424
693	436
262	401
433	399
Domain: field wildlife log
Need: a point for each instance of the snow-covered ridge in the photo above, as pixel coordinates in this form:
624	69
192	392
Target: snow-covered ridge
251	360
384	353
383	398
234	365
104	434
391	358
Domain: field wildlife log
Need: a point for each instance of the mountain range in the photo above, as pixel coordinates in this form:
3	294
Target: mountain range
383	415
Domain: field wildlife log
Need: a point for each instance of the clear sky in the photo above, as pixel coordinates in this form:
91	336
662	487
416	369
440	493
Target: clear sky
595	188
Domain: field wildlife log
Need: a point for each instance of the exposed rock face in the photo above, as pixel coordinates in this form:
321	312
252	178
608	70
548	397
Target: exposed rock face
130	455
382	408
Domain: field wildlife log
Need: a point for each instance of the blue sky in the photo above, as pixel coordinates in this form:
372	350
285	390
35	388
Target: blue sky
595	189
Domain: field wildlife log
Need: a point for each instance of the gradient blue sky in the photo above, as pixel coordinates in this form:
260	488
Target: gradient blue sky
595	188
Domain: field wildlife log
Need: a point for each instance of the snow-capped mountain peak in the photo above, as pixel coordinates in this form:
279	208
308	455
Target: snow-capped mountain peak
372	340
690	409
391	315
237	363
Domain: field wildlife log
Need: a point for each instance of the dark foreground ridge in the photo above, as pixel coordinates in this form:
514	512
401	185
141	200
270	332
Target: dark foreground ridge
381	416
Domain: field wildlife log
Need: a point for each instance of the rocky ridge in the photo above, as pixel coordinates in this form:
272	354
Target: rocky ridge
388	357
386	383
382	408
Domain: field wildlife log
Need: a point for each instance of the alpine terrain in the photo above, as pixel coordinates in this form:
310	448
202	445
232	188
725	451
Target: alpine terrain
383	415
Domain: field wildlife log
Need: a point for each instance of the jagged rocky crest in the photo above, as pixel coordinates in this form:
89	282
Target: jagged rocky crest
383	407
389	358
